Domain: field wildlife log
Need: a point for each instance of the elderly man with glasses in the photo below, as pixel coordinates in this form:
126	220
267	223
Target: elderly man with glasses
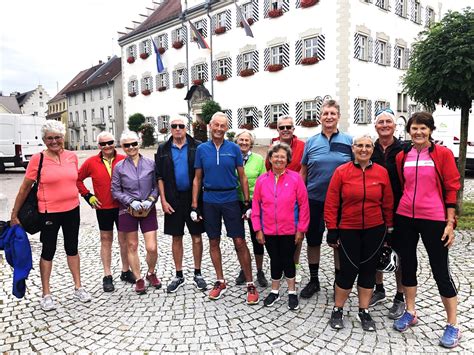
286	135
99	168
175	172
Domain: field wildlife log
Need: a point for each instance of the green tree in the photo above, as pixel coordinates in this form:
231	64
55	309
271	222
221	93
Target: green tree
442	68
135	121
148	135
208	109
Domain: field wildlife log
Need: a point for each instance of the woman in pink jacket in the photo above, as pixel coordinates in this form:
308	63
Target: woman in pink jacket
280	216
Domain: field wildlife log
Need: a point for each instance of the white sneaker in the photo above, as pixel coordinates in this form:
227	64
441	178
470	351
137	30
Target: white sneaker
82	295
47	303
299	271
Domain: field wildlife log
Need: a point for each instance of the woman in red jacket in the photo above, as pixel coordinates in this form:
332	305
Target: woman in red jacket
358	211
430	181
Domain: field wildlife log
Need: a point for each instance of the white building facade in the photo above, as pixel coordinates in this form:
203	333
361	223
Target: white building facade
34	102
302	52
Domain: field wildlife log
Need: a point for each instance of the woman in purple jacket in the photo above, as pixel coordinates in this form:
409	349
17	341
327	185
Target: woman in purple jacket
134	186
280	217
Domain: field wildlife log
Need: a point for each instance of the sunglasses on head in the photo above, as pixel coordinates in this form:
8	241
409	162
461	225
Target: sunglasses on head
103	144
55	138
282	128
387	109
128	145
176	125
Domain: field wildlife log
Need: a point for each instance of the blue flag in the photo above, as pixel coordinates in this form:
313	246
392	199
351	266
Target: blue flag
159	62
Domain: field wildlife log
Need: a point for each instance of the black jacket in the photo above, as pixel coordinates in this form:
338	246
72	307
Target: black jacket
387	160
165	167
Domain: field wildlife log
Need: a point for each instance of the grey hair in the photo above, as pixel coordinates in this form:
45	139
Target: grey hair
251	135
126	135
177	118
363	136
284	117
53	126
104	134
385	113
276	147
219	114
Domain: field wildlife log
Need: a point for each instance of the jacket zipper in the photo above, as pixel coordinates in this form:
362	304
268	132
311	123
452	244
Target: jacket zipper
416	184
275	195
363	200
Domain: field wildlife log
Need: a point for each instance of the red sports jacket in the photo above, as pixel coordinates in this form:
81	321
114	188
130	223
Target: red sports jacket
297	148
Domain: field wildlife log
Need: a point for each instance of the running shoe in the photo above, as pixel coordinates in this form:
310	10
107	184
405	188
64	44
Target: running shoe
240	280
337	318
377	297
153	281
451	336
175	284
310	289
397	309
293	303
127	276
271	299
108	284
82	295
218	290
252	294
405	321
140	287
261	279
366	320
200	283
47	303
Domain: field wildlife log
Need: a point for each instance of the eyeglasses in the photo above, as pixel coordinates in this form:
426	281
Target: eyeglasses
175	125
128	145
387	109
287	128
103	144
55	138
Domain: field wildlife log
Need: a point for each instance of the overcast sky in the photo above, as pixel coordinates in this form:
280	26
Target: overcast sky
49	41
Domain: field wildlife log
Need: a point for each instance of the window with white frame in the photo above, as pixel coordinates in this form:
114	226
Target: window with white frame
102	115
276	111
276	4
163	119
161	41
71	117
247	60
382	53
133	86
83	97
276	55
200	26
200	72
416	11
401	8
222	67
132	51
84	116
430	16
363	47
75	99
383	4
361	113
310	110
92	114
180	35
147	84
101	95
146	47
180	76
70	100
220	20
248	115
109	92
77	117
247	10
92	94
310	47
109	112
161	80
402	102
399	57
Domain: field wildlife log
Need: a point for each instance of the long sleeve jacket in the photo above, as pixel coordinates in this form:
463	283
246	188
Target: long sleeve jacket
359	199
280	207
131	183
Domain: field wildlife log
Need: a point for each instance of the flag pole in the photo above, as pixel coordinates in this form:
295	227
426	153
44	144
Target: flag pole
208	6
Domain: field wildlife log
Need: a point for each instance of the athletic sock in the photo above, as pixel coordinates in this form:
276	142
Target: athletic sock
197	272
292	292
179	273
361	310
379	288
313	272
399	297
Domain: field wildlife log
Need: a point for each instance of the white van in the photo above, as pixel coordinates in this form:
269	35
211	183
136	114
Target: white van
448	132
20	138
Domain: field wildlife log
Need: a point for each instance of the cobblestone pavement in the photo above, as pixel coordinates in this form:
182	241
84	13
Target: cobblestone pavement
189	322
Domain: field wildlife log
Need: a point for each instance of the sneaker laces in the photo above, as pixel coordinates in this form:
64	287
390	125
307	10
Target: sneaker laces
251	289
217	285
365	315
407	317
451	331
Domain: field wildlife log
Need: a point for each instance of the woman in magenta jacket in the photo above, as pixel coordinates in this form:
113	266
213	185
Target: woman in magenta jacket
280	216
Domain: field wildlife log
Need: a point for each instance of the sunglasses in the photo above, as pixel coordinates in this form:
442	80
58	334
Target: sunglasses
103	144
175	125
387	109
128	145
282	128
55	138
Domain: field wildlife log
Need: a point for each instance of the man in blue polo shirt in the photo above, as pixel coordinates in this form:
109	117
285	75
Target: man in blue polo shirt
216	163
323	153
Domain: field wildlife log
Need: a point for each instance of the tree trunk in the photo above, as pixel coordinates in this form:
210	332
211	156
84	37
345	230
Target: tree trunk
462	153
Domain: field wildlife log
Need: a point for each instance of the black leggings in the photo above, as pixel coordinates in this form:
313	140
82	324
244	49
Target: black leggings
409	231
257	247
281	249
359	254
69	221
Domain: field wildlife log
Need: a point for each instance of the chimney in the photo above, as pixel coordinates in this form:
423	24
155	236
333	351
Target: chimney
100	61
108	57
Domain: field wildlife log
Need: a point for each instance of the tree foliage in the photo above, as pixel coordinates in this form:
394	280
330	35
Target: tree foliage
135	121
442	68
208	109
148	135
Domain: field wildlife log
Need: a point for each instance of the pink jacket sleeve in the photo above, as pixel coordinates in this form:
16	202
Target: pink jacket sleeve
303	205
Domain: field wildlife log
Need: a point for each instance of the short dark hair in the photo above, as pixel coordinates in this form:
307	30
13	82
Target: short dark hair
276	147
421	117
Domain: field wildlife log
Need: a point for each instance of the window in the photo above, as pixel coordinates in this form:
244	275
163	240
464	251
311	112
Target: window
180	34
382	52
220	20
109	112
200	27
247	10
70	100
200	72
276	4
93	114
416	12
276	55
41	103
84	116
146	46
77	117
147	83
399	57
71	117
276	111
310	47
361	111
132	51
383	4
310	110
247	61
109	92
75	99
101	95
83	97
401	8
133	86
92	94
248	115
161	41
402	102
221	67
180	76
161	80
430	16
102	115
362	49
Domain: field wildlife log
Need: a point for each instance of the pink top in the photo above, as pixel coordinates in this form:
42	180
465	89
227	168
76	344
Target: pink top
57	191
420	197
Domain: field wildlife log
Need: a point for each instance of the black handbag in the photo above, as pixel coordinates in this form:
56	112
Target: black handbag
29	215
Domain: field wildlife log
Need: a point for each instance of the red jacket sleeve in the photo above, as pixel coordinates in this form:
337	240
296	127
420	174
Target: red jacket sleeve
450	175
387	202
333	200
81	176
256	212
303	205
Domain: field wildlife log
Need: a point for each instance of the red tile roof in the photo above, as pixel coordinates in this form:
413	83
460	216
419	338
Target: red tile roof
168	10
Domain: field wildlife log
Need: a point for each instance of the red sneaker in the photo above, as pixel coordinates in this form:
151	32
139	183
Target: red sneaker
153	281
218	290
252	294
140	287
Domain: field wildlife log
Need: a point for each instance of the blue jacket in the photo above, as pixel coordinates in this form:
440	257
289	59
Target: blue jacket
18	253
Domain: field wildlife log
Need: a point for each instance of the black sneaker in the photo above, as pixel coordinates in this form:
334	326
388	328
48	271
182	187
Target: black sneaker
310	289
271	299
108	284
240	280
261	279
293	303
175	284
377	297
366	320
128	276
337	318
200	283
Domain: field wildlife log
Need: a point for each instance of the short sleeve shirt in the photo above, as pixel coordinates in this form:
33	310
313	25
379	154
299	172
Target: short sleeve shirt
218	168
180	163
